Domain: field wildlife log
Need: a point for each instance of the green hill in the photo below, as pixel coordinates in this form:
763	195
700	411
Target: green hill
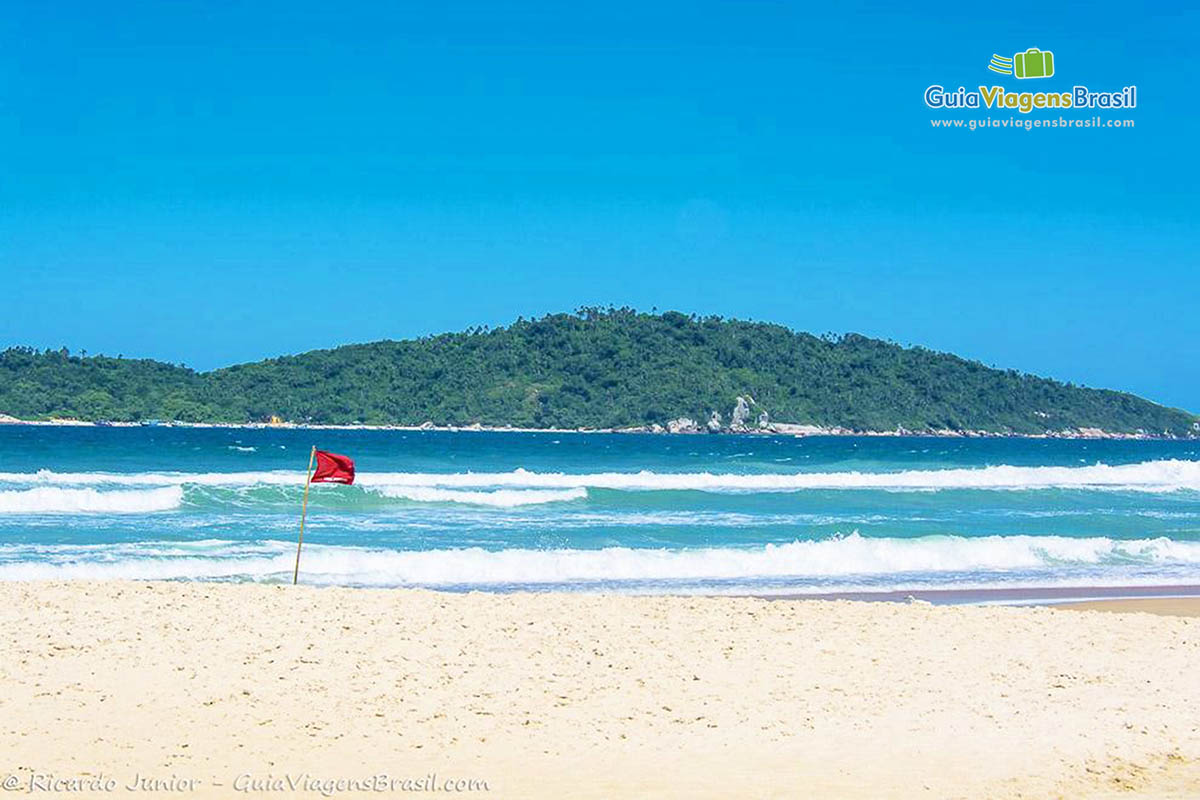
596	369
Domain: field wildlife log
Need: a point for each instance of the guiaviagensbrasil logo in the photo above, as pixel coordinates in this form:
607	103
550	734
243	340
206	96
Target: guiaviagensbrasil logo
1025	65
1033	63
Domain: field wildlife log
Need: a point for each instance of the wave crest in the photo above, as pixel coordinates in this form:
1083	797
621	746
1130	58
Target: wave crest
499	498
1149	476
56	500
851	557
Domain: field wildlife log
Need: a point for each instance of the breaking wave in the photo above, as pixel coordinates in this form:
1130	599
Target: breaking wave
57	500
1148	476
1015	558
500	498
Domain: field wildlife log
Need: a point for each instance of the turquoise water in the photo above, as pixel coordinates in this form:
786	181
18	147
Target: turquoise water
505	511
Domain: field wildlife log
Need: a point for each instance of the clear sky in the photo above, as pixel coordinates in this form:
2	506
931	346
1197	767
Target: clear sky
209	183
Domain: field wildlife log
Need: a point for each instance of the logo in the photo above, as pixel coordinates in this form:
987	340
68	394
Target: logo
1033	63
1001	64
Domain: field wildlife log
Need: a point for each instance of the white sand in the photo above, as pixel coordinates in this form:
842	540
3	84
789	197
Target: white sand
591	696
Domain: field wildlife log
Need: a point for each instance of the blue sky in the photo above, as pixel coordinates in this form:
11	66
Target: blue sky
210	183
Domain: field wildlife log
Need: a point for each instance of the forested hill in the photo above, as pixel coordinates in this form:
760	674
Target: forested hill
595	369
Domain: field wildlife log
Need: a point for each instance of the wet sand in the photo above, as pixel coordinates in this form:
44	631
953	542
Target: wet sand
1170	606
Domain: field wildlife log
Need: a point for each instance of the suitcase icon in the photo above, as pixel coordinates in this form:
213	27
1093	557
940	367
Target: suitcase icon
1033	63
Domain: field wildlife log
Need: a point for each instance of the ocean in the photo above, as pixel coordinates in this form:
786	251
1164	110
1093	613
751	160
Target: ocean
499	511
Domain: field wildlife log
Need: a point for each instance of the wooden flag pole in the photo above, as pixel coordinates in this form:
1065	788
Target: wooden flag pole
303	513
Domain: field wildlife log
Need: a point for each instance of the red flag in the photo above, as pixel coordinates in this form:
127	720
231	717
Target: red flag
332	468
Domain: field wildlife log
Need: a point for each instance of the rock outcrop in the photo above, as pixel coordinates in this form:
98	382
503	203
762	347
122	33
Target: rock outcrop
741	414
683	425
791	429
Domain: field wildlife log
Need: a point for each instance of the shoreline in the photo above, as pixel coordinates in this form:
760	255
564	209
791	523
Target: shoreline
546	696
1185	597
1162	606
1048	596
774	429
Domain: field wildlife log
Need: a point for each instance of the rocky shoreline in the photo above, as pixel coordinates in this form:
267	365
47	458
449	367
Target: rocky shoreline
739	424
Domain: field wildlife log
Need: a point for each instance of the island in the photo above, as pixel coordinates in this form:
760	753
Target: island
595	369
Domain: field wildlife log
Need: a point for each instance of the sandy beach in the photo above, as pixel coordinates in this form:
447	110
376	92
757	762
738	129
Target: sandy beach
225	688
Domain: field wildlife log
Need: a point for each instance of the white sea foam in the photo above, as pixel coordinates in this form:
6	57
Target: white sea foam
1036	559
1148	476
51	478
57	500
500	498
